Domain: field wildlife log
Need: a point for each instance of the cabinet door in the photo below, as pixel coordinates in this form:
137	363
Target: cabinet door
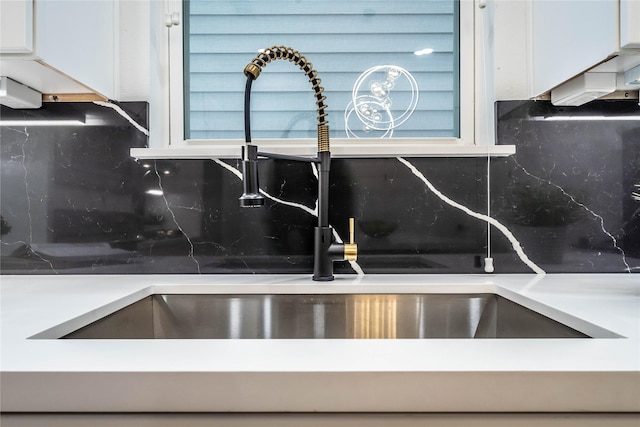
16	26
569	37
78	38
630	24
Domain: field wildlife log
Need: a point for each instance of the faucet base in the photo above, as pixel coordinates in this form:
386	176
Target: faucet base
322	278
322	258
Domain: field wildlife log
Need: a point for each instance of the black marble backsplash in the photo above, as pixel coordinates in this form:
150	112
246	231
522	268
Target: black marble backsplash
74	202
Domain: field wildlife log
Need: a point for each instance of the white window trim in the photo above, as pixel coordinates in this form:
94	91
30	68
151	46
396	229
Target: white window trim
166	139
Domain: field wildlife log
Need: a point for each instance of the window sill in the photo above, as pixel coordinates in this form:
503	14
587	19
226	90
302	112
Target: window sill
339	148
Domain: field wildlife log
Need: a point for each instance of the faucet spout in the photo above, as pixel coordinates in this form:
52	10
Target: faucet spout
326	250
251	197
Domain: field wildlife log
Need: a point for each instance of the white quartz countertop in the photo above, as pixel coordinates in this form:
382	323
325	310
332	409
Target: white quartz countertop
601	374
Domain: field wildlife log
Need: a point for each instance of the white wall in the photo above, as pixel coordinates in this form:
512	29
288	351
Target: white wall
511	52
135	50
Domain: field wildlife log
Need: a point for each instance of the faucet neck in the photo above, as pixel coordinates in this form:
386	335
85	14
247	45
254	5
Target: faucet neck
253	70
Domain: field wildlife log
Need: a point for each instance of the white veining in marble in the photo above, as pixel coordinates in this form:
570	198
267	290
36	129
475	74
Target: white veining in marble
507	233
145	131
124	114
26	182
314	211
23	164
583	206
175	220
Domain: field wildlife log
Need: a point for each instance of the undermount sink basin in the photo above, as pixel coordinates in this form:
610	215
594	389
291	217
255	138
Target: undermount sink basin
334	316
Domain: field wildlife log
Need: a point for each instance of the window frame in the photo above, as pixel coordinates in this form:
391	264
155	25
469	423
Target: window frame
167	104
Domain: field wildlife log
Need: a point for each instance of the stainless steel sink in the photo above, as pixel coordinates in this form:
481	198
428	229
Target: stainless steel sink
335	316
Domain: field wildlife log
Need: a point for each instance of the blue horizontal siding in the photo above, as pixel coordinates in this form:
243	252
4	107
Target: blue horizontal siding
315	7
297	82
303	101
320	24
248	44
398	133
280	121
327	63
355	36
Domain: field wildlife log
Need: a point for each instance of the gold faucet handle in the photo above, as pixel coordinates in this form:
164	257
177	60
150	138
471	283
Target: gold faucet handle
352	230
351	248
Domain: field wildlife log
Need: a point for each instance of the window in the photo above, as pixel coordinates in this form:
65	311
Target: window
343	39
393	53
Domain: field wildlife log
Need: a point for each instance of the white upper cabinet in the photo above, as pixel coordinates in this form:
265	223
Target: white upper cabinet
16	26
78	38
569	37
542	44
61	46
630	24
